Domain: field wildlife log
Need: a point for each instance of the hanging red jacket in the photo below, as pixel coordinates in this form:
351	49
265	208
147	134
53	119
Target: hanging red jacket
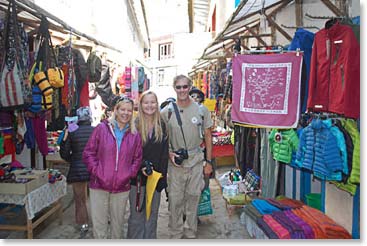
335	72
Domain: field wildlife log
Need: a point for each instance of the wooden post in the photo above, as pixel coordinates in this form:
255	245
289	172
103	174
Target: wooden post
29	229
342	6
33	158
260	40
273	35
299	13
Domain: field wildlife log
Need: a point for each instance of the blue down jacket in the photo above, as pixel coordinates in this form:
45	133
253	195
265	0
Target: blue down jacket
322	150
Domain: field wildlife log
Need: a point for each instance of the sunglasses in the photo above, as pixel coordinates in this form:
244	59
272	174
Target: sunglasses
124	99
178	87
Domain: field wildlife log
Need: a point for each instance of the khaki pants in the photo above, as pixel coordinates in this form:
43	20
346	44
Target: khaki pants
80	198
106	206
184	190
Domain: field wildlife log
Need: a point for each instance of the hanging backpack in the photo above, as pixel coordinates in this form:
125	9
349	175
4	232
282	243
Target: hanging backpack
36	105
11	79
94	64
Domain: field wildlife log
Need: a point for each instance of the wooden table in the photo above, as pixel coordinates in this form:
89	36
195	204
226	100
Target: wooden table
46	198
52	159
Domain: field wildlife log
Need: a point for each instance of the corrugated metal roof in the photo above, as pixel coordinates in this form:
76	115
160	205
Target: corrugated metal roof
252	6
200	12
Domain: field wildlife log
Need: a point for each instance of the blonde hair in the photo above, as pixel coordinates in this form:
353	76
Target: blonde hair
142	123
132	126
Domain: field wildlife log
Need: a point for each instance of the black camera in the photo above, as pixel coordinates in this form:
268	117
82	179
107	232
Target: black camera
183	155
148	167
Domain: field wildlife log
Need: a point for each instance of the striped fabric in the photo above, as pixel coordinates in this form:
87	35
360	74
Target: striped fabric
329	226
307	230
316	228
295	231
264	207
281	232
266	229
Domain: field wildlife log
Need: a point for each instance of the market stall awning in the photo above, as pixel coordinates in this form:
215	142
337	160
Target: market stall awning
240	26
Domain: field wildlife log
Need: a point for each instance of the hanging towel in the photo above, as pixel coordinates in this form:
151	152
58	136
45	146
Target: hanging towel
266	89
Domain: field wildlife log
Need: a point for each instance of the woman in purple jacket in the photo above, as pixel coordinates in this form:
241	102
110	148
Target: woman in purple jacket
113	155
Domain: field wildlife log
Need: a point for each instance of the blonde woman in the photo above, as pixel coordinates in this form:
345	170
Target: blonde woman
113	156
155	153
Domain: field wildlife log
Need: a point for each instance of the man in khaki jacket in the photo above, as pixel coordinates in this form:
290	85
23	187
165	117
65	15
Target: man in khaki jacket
185	175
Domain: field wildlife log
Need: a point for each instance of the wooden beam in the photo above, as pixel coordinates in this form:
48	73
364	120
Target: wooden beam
281	30
299	13
256	36
342	6
191	15
332	7
243	37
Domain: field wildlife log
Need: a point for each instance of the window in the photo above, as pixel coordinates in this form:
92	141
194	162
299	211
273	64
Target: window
165	51
160	76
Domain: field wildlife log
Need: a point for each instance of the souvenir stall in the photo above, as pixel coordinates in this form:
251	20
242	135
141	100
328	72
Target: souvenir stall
296	115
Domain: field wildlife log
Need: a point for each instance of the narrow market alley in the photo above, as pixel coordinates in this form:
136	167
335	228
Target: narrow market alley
107	103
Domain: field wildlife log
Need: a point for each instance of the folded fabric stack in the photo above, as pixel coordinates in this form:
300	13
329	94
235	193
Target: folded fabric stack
286	218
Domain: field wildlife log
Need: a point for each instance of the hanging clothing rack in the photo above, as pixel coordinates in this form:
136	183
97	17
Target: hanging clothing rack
326	17
304	27
267	46
247	52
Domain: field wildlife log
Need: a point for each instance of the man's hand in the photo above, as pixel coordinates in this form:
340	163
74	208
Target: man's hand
208	169
172	156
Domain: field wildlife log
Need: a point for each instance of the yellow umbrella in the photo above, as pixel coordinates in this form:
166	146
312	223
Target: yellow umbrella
150	188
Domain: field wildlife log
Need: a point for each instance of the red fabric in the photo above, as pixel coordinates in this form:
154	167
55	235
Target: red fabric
9	146
84	95
316	228
222	150
291	202
65	89
329	226
334	84
281	232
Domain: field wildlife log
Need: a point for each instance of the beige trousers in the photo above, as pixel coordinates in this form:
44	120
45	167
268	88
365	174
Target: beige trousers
106	206
184	190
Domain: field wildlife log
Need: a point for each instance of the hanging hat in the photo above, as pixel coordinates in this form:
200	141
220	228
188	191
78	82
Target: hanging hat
195	90
84	114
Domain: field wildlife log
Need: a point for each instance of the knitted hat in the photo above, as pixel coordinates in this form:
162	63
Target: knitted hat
84	114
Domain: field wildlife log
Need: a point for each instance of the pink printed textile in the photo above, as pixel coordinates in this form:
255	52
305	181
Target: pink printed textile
266	89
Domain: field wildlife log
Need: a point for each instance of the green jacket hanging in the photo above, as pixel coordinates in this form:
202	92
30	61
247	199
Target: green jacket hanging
282	144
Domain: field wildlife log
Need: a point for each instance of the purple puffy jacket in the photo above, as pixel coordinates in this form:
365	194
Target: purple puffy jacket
111	169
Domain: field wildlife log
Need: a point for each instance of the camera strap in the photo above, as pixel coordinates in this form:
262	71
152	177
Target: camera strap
138	209
179	121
